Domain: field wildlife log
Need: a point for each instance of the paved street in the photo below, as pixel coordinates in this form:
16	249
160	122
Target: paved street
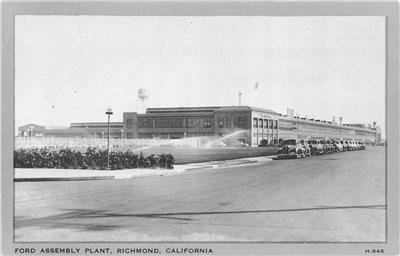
339	197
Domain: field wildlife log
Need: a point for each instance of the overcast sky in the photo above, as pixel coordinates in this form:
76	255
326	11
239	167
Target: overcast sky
71	68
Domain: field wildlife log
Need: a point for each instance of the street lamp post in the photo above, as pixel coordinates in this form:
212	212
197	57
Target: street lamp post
108	113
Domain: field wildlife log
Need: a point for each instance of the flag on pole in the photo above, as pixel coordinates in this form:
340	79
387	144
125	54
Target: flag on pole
256	86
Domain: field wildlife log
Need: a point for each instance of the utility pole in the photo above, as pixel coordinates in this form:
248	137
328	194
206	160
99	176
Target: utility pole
108	113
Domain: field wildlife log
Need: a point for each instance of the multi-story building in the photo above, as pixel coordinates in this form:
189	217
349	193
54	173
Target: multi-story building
250	125
255	124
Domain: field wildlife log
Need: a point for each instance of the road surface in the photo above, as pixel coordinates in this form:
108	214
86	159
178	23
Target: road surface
331	198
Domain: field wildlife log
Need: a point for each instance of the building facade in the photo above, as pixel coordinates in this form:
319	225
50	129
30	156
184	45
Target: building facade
75	130
251	125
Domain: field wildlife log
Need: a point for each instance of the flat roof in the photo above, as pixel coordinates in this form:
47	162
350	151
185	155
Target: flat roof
208	109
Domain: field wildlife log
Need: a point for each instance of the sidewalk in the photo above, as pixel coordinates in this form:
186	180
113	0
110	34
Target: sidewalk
25	175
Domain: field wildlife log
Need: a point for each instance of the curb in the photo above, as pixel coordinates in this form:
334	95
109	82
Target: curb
64	179
131	176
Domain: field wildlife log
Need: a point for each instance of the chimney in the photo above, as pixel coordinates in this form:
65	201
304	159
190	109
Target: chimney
374	123
333	119
240	99
289	112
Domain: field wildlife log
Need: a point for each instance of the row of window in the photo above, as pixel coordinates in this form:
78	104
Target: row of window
198	123
203	122
265	123
232	122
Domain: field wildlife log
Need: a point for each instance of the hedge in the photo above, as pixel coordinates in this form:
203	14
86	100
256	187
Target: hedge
91	159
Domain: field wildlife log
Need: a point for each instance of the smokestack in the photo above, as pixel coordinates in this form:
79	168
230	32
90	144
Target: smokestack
289	112
240	99
374	123
333	119
340	120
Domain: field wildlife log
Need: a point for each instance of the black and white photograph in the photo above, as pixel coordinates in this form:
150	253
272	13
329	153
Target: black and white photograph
195	130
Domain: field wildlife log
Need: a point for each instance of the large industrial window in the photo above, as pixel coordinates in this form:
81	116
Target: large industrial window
255	122
129	123
199	122
240	122
265	121
260	123
270	124
225	122
275	124
145	123
207	123
168	123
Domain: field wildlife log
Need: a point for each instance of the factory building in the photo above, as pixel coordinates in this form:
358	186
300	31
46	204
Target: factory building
256	124
251	125
75	130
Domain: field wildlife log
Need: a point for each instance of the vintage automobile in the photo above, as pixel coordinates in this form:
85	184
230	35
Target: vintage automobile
316	147
339	145
325	146
347	145
361	145
331	146
353	145
290	149
341	142
307	147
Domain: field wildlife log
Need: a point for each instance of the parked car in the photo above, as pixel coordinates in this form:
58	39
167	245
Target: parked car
325	147
347	145
360	145
290	149
307	147
316	147
339	145
353	145
331	147
344	148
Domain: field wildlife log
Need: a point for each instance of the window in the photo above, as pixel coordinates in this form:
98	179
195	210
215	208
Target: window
168	123
255	122
145	123
199	122
207	123
275	124
129	135
240	122
129	123
260	123
265	123
225	122
270	124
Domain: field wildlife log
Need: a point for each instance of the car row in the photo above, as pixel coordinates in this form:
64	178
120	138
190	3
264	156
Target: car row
296	148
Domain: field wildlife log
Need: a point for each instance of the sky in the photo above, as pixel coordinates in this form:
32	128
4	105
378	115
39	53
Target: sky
72	68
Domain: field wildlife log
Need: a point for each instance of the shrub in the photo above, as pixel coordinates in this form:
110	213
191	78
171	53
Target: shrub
91	159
